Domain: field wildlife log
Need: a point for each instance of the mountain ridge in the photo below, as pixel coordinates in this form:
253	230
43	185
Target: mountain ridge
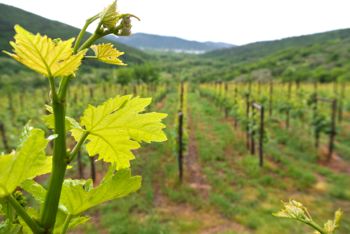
148	41
263	48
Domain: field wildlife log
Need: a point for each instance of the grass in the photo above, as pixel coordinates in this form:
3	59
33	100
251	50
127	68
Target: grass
291	171
242	196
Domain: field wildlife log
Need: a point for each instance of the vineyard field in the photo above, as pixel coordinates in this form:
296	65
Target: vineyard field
168	135
224	190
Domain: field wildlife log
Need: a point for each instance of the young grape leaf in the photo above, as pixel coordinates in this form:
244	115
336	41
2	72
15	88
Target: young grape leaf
51	58
27	162
107	53
39	194
78	195
117	126
109	16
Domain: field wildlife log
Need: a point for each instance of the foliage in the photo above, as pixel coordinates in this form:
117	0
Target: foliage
297	211
51	58
110	130
145	73
9	16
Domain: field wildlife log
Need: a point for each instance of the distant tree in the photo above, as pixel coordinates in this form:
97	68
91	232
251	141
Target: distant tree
146	73
124	76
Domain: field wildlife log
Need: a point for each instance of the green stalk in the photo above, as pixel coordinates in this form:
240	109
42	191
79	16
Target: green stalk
77	147
80	36
316	227
82	32
34	226
59	160
62	89
59	166
66	224
89	41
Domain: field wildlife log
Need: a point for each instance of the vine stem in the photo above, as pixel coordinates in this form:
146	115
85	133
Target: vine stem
77	147
89	41
82	32
34	226
66	224
59	159
59	166
317	227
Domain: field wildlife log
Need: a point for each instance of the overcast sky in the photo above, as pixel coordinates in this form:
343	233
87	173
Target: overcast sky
233	21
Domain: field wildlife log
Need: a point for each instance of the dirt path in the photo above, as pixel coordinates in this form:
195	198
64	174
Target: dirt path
210	220
193	170
336	163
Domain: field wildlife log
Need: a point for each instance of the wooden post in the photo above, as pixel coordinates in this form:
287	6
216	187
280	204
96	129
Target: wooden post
261	109
75	99
333	130
180	145
93	169
317	138
261	136
134	90
297	86
315	107
332	133
181	95
225	95
235	101
91	90
4	137
247	118
341	102
92	159
270	99
256	106
235	94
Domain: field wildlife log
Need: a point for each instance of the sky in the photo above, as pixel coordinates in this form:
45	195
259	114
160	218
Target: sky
233	21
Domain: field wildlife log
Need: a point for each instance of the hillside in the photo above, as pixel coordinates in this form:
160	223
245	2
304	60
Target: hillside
264	48
166	43
9	16
322	56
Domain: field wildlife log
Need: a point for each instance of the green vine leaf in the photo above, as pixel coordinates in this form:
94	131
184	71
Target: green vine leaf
79	195
51	58
117	126
39	193
27	162
108	54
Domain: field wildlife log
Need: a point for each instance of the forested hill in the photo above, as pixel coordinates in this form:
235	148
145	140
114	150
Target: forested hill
9	16
322	56
260	49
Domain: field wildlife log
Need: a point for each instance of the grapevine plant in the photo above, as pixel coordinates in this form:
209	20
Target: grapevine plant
111	130
296	211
